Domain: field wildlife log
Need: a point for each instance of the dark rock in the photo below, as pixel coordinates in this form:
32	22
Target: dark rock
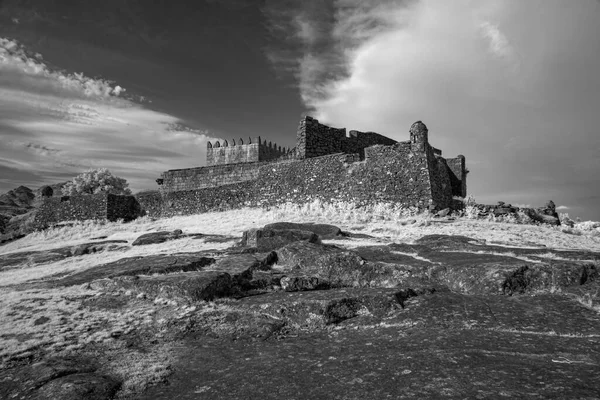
186	286
82	386
21	382
241	266
95	247
14	260
324	307
156	237
47	191
542	216
132	266
300	283
325	231
343	268
272	239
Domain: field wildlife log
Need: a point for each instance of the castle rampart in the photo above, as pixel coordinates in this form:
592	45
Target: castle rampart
225	152
326	164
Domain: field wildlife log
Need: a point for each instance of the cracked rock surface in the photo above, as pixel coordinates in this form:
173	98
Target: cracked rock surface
285	314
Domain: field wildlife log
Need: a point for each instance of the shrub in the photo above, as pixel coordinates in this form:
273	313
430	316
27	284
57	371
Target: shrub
96	181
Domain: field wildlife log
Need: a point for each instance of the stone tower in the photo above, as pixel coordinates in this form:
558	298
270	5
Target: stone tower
418	136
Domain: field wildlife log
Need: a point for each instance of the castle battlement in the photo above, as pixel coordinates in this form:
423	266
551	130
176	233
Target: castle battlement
327	163
224	152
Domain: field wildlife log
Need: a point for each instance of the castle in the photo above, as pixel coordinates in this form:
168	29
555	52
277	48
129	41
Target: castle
326	164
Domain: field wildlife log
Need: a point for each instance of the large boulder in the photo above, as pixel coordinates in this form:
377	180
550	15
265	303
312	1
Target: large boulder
87	386
271	239
325	231
157	237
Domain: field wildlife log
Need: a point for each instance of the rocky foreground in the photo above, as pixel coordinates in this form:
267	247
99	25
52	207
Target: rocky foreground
284	314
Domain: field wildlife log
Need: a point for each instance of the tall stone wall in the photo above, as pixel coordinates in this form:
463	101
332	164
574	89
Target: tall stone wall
326	164
206	177
458	175
225	152
357	141
151	203
387	174
314	139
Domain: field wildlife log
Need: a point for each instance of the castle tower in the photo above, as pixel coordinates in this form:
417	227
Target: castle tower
419	136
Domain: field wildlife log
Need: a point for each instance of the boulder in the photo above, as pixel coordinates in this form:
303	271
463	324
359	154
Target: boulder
335	267
132	266
443	213
542	215
301	283
325	231
187	287
88	386
157	237
272	239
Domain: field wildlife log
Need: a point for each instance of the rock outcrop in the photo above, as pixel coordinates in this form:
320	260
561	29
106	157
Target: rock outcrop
401	315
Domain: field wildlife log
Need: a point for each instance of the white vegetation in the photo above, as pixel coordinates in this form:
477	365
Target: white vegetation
96	181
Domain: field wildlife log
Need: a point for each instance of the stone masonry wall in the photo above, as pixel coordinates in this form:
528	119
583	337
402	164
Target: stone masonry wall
71	208
225	152
85	207
387	174
357	141
411	172
458	175
151	202
314	139
211	176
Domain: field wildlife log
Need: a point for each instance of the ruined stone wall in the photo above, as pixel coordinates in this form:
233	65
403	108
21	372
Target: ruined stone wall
457	172
441	187
232	152
314	139
151	203
85	207
357	141
71	208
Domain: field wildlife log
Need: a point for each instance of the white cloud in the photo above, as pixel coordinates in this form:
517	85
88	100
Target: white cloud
55	125
561	208
499	44
512	84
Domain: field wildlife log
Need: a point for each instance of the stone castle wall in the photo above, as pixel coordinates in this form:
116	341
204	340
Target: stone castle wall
314	139
363	167
211	176
225	152
85	207
395	173
458	175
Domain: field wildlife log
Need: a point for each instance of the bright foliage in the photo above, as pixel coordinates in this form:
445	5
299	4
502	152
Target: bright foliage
96	181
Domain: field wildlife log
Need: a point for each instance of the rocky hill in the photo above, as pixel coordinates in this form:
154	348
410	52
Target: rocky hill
301	310
15	203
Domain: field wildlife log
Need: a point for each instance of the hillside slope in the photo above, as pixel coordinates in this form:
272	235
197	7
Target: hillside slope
392	305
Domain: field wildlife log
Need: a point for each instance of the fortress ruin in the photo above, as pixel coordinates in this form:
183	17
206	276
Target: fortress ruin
326	163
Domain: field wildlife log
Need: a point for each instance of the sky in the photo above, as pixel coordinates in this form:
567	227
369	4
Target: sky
139	87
